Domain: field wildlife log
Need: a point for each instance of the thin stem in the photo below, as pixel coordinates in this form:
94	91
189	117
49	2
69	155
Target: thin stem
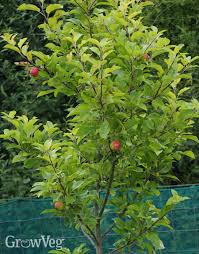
94	89
59	179
92	5
101	83
88	236
108	230
80	6
43	12
151	43
87	227
157	92
108	189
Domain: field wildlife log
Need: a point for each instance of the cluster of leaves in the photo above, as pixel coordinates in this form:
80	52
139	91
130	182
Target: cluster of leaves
129	83
78	250
183	27
18	92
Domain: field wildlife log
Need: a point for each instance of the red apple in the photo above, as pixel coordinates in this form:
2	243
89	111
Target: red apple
58	205
34	71
116	145
147	57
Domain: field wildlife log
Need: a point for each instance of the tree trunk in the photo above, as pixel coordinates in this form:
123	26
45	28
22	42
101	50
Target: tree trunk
99	249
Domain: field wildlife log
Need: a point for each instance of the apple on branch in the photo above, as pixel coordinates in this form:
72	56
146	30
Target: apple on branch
34	71
116	145
147	57
58	205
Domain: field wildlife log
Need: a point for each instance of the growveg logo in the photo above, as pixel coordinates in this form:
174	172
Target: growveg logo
44	241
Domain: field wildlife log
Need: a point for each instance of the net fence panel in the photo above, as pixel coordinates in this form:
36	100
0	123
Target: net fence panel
24	230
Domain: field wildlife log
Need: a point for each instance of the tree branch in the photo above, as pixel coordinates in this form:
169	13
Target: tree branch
88	237
108	188
87	227
81	7
59	179
108	230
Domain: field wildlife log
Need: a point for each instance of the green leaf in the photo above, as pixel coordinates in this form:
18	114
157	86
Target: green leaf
104	129
24	49
156	147
28	7
95	50
189	154
32	163
40	55
12	47
47	211
183	90
18	158
62	251
191	137
42	93
158	68
175	199
108	71
155	240
94	41
53	7
162	42
77	184
52	47
172	177
9	38
21	42
38	186
47	144
12	114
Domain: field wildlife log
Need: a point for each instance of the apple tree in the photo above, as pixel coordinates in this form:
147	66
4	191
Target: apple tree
127	128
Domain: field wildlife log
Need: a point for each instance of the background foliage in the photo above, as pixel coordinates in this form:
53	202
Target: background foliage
178	17
18	91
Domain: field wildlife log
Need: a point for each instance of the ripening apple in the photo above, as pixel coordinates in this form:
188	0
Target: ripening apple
58	205
147	57
34	71
116	145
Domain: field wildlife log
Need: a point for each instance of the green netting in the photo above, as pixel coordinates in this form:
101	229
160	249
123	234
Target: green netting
22	219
